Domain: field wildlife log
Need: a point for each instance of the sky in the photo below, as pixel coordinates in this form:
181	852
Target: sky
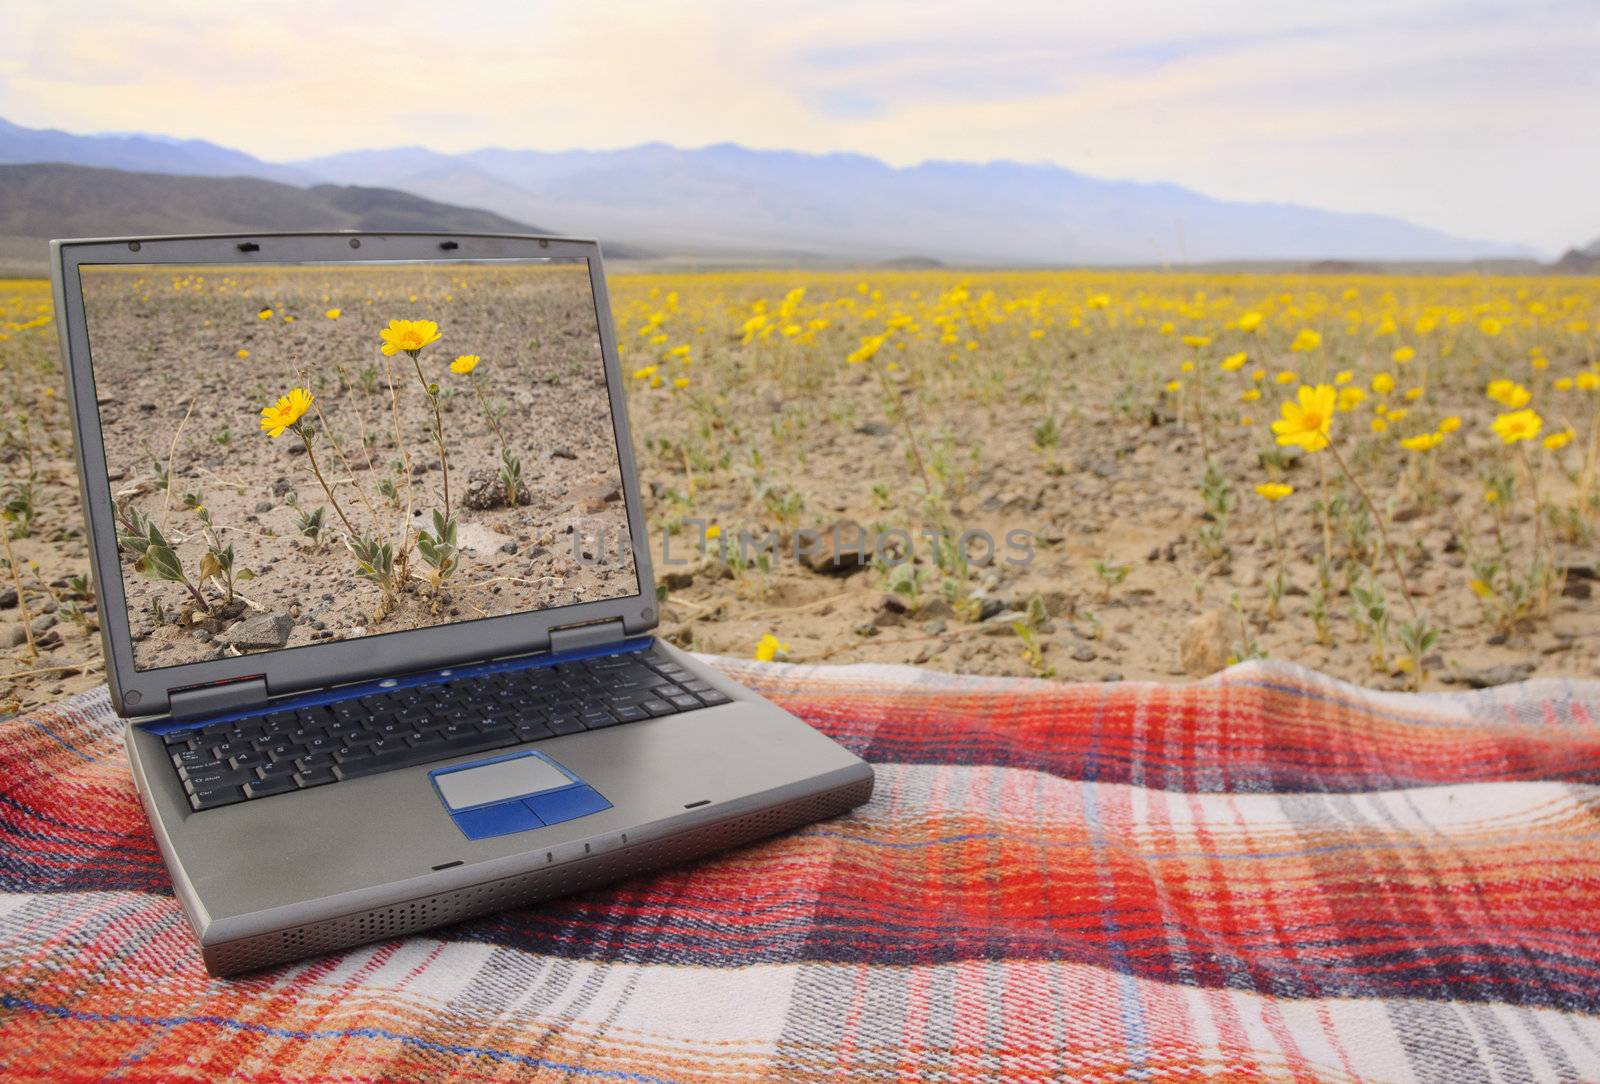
1479	119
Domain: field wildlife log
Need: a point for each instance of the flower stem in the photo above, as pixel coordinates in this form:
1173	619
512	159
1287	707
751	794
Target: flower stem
311	455
438	428
1383	532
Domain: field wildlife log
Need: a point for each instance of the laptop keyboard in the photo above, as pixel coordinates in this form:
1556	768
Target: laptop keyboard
287	750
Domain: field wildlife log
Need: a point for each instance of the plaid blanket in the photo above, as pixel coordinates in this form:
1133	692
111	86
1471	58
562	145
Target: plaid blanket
1266	874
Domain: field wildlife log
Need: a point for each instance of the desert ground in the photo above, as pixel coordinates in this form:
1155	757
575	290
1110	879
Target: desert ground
1423	515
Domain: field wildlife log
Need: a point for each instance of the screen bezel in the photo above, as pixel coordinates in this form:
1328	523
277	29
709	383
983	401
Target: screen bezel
136	692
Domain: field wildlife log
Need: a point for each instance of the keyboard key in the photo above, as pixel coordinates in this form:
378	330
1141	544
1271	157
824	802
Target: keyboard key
219	796
630	714
713	697
565	724
263	787
192	758
219	776
684	701
657	707
177	738
316	777
596	720
281	770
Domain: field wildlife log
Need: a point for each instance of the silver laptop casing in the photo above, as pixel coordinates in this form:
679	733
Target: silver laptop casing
292	875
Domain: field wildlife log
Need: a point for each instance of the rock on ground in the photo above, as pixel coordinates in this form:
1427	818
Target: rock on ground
1207	642
259	632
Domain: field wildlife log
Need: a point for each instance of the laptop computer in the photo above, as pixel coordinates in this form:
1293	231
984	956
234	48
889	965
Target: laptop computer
375	588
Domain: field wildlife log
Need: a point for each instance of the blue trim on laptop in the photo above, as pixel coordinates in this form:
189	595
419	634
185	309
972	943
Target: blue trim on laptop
389	685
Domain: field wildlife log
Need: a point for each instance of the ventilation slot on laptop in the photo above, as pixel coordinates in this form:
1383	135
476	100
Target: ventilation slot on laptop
249	246
526	888
448	246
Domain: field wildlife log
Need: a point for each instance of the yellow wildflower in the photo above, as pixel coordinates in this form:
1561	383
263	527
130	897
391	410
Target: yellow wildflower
1344	376
407	336
1249	395
1379	425
1306	341
1274	491
1402	354
645	373
1383	383
769	647
264	314
1587	381
1564	384
1517	425
1422	442
285	413
1286	377
1557	441
1308	418
1196	341
465	364
334	314
1350	397
1233	362
1250	321
241	353
1450	424
1490	326
1508	393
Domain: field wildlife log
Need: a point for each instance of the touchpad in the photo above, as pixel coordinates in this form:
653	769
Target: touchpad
494	782
516	792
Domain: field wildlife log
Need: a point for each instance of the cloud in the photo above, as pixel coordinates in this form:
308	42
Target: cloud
1455	114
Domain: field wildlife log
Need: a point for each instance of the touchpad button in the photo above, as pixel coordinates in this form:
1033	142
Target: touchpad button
494	782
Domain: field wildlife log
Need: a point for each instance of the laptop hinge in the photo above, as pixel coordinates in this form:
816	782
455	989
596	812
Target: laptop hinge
215	699
575	637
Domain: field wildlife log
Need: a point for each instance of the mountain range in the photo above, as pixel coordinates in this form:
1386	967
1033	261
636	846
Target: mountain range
732	201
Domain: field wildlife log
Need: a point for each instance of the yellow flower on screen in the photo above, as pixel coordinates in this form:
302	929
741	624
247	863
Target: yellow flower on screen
241	353
334	314
465	364
1274	491
1233	362
264	314
1450	424
1557	441
1250	321
286	412
1402	354
1422	442
1383	383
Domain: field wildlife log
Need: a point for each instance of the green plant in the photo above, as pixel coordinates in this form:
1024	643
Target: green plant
1032	649
1046	434
1370	612
153	555
1111	576
438	548
1417	637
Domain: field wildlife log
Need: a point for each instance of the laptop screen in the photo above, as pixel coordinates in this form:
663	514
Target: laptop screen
307	453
